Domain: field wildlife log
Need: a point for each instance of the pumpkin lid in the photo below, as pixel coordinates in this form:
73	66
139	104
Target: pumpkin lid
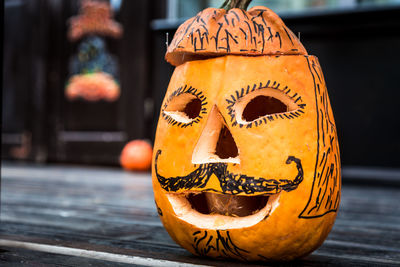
217	32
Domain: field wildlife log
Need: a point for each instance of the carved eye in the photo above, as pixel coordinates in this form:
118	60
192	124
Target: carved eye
263	103
183	108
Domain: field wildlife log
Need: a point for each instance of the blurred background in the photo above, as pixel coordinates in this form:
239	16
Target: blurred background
356	41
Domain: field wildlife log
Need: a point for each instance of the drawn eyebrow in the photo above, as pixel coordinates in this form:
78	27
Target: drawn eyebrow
186	89
242	92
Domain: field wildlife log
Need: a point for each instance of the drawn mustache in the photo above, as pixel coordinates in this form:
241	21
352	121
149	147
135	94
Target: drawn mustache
230	183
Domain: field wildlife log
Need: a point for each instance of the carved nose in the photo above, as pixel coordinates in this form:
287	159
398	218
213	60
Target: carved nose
216	143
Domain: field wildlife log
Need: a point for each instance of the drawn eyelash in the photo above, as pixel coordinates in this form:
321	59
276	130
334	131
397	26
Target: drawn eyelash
264	119
194	97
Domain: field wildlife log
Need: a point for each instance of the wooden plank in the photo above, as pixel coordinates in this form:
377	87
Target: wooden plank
18	257
91	254
109	210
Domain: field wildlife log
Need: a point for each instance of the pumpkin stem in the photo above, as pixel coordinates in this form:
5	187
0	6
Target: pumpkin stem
229	4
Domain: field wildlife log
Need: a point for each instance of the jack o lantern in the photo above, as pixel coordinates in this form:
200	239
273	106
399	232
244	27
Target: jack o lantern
246	160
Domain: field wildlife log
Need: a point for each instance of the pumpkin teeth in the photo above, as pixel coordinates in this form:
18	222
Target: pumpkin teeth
218	211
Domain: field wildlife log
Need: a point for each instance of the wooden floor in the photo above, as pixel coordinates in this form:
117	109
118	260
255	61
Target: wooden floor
75	216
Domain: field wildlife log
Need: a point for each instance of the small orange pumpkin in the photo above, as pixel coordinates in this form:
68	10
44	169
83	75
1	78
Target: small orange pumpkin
136	156
246	159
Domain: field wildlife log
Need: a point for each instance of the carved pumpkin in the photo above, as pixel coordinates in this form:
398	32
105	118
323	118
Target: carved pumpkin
246	160
136	156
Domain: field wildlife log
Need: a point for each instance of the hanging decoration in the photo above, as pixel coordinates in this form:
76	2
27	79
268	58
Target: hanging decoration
93	70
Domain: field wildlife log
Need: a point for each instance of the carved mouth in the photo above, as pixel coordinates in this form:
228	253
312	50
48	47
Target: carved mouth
243	200
222	211
229	205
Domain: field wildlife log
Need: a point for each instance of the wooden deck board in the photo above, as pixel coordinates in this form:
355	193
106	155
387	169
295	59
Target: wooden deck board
17	257
108	210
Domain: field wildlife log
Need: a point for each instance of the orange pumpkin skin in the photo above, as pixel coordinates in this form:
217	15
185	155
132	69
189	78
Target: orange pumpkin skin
300	219
136	156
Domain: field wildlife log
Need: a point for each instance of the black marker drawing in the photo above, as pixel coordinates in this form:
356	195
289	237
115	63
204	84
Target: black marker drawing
258	34
230	183
220	241
159	211
325	193
232	100
185	90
